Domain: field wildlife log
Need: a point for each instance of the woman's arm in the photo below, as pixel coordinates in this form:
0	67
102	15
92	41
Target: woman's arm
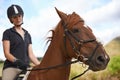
34	60
6	49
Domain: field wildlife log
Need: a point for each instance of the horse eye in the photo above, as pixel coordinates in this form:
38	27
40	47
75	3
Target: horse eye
76	30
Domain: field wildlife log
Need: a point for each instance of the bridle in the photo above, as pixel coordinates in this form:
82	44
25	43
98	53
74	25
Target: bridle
68	33
80	58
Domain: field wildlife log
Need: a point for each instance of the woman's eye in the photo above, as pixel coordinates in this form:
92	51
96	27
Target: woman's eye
76	30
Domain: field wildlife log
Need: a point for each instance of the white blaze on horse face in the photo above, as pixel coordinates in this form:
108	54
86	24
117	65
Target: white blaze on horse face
106	56
85	25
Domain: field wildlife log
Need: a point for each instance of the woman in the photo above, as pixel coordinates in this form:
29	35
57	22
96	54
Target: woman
17	45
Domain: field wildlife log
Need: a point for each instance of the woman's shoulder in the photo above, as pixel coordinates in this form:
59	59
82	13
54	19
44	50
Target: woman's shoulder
9	29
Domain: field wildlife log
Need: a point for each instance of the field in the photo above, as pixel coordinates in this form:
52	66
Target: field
1	65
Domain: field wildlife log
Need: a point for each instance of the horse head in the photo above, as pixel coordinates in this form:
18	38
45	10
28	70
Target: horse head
79	42
71	39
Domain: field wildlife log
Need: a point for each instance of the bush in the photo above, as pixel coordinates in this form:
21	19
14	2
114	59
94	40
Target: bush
114	65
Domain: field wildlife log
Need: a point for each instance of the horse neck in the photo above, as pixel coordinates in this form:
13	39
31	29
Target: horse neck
55	56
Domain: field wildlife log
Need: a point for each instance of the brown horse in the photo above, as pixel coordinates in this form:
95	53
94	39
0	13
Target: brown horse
70	39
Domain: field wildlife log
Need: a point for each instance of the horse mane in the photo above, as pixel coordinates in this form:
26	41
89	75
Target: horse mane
56	29
49	39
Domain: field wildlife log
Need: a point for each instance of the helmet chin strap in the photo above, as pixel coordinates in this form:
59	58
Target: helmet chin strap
19	24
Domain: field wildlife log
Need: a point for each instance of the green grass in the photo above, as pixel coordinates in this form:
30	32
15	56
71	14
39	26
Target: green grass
114	65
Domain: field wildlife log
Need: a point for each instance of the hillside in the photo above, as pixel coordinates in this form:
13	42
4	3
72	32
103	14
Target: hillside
113	47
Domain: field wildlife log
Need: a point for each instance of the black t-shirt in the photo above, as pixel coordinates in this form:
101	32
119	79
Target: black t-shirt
18	45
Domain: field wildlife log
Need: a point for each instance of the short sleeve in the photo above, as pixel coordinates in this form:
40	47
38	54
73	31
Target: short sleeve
30	40
6	35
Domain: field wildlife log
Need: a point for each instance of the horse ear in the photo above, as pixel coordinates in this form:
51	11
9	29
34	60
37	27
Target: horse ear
62	15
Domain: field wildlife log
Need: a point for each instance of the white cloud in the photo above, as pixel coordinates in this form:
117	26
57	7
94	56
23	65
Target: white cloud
106	13
75	5
104	21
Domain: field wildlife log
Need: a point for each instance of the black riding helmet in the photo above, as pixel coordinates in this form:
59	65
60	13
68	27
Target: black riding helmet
14	10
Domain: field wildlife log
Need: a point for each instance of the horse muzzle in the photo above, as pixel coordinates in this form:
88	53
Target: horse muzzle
99	63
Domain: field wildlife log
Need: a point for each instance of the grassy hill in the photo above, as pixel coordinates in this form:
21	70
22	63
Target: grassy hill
113	47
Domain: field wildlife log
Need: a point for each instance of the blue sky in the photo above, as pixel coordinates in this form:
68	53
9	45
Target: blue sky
103	16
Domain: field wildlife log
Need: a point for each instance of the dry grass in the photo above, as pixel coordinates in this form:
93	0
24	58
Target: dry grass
1	66
90	75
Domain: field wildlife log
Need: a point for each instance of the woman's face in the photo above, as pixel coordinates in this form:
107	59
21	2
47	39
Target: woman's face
17	20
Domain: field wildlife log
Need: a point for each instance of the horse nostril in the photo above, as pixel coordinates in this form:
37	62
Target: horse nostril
101	59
